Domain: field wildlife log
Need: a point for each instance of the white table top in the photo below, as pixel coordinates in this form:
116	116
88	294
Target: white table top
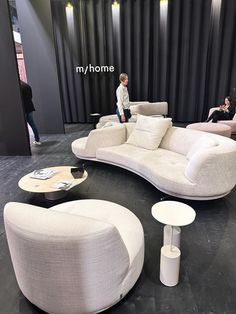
45	186
173	213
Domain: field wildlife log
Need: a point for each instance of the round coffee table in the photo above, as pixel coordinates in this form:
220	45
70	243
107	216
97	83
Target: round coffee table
173	214
29	184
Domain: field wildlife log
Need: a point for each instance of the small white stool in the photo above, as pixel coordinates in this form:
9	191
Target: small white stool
173	214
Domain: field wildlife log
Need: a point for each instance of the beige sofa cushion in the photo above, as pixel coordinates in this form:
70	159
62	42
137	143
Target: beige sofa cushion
148	132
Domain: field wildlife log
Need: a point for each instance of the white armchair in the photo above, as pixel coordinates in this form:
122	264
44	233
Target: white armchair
77	257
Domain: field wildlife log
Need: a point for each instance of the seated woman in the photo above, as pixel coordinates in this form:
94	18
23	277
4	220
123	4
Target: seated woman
225	111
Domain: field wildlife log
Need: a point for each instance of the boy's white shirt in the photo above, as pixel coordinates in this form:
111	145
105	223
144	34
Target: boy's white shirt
122	98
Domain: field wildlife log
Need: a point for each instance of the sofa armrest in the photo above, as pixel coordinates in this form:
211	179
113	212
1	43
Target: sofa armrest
86	147
105	137
213	168
148	109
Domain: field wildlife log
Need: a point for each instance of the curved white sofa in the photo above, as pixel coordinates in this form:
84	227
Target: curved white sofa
138	107
188	163
77	257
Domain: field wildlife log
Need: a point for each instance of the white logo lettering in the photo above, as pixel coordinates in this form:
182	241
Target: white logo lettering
94	68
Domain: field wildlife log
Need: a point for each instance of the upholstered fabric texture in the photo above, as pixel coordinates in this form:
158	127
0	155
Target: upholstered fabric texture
99	138
77	257
204	142
138	107
148	132
187	163
148	109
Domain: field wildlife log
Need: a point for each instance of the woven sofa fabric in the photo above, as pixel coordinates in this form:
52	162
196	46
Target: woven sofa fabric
148	109
87	146
202	143
65	262
131	231
170	167
138	107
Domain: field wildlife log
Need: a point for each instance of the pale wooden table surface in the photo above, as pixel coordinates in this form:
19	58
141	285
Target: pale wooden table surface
45	186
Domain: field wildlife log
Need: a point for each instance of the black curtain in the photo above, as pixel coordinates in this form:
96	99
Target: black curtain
83	39
186	57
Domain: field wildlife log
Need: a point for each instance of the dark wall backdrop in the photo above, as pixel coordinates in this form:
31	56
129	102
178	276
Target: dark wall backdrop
186	57
14	139
35	21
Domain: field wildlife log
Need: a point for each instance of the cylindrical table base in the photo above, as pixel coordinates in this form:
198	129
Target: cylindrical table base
175	238
52	196
169	265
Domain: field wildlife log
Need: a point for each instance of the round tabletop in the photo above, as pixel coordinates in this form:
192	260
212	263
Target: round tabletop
46	186
173	213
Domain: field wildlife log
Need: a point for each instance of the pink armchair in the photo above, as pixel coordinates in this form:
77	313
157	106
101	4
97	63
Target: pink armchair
231	123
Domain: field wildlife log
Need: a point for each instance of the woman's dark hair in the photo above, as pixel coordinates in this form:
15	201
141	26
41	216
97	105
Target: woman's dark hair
229	98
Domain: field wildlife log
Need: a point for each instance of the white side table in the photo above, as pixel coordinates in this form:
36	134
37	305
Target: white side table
173	214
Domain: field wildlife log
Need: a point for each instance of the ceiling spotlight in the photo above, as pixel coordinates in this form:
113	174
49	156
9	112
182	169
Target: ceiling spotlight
69	6
115	3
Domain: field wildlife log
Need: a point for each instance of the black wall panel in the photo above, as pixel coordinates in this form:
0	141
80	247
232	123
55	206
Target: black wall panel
13	131
38	46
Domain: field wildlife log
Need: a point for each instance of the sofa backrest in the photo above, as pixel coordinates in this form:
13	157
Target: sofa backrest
181	140
148	109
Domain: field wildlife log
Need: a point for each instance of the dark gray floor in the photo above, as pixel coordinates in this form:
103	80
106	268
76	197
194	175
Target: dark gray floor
208	262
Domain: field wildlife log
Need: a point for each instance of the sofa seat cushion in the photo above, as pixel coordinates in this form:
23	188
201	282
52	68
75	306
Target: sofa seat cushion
148	132
125	155
166	169
161	167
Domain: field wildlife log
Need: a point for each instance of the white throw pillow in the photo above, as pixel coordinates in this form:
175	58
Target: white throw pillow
148	132
204	142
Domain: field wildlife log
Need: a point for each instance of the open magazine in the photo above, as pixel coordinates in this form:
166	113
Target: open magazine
42	174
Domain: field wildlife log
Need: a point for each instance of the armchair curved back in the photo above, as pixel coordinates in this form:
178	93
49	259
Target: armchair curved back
65	263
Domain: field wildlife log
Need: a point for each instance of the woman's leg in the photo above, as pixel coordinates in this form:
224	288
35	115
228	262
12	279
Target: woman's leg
212	115
30	120
220	115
